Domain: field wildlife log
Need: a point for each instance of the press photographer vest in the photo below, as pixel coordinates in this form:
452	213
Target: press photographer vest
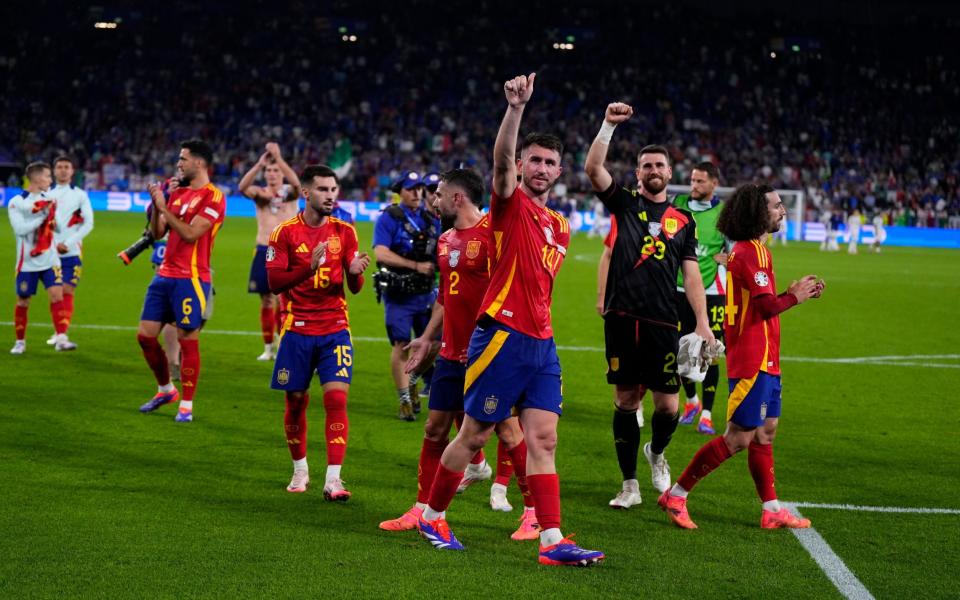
424	240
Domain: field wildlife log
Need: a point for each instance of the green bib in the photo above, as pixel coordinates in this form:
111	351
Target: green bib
709	242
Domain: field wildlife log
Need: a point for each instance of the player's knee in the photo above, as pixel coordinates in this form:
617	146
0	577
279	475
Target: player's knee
435	431
541	443
335	400
509	433
23	302
297	401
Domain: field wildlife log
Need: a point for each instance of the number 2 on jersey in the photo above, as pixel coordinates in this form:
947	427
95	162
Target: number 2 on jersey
454	280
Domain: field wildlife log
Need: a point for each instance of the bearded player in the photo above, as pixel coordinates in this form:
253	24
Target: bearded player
309	258
463	253
276	203
512	362
752	328
179	291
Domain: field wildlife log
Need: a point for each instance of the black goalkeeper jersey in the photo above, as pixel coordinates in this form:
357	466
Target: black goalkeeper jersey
652	239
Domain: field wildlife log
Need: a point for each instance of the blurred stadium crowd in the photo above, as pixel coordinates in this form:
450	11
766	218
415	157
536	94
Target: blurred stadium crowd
856	111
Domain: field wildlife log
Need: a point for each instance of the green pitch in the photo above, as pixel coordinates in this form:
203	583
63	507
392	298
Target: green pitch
98	500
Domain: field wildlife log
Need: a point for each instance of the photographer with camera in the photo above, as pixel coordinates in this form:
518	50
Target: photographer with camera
405	243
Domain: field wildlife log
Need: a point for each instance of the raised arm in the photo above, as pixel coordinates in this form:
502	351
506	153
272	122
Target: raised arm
274	150
600	178
518	91
255	192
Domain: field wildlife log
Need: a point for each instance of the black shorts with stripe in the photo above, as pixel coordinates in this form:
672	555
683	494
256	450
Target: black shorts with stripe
641	353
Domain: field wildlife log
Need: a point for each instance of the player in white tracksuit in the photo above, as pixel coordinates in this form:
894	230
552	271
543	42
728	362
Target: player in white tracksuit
75	219
36	255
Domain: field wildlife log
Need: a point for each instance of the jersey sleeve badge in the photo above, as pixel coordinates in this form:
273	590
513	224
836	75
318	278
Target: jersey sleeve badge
761	279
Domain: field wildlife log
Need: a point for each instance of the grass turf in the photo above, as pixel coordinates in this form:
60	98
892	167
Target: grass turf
99	500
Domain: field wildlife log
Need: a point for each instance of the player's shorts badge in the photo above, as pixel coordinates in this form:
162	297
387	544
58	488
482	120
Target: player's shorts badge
670	225
761	279
283	377
253	285
333	244
454	258
763	410
473	248
23	286
271	253
614	363
490	405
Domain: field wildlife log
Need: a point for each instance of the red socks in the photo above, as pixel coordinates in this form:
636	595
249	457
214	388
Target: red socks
59	315
337	425
760	460
545	489
152	351
710	456
68	308
504	465
20	322
444	488
295	425
430	455
518	454
268	320
189	367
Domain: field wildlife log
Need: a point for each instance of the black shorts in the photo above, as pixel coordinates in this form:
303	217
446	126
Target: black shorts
641	353
688	320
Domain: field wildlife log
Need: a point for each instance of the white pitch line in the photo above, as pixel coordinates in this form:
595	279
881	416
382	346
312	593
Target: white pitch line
881	509
832	566
895	361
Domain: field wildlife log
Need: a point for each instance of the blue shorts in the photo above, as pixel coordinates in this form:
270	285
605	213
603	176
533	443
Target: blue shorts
159	250
507	371
754	400
182	302
410	313
446	387
258	272
331	356
71	268
27	281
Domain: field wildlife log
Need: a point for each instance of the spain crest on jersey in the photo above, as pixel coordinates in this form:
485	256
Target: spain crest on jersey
333	244
670	225
473	248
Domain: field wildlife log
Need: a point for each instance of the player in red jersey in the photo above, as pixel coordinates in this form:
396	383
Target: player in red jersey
752	330
179	291
512	359
309	258
463	255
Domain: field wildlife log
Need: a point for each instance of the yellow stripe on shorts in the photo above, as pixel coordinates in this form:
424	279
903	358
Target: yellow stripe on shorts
489	353
738	394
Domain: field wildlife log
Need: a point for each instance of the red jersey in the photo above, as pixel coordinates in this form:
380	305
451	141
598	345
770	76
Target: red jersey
530	243
316	305
753	343
464	275
185	260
